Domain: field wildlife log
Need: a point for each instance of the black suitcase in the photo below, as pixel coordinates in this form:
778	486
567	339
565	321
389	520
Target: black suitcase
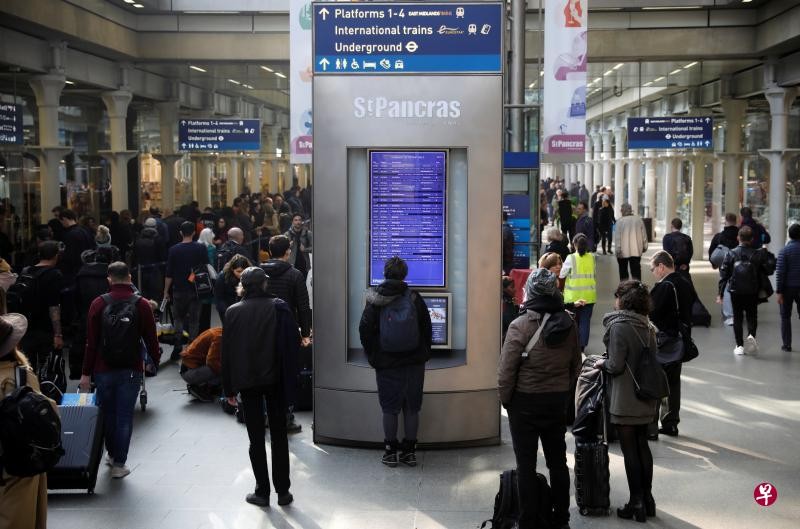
304	400
592	487
700	315
82	438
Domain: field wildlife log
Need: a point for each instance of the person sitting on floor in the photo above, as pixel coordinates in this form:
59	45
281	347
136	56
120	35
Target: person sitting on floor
201	364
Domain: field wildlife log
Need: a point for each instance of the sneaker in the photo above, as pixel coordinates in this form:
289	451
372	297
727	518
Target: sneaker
199	393
729	322
292	426
672	431
738	350
786	348
285	498
750	345
119	471
408	455
390	456
256	498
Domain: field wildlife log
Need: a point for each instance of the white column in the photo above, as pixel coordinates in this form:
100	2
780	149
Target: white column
606	156
716	195
232	185
167	123
650	184
202	180
698	204
735	110
116	103
619	170
634	182
47	89
581	173
597	167
780	103
670	189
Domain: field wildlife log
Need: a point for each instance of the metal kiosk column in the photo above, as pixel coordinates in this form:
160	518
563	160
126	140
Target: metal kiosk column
408	161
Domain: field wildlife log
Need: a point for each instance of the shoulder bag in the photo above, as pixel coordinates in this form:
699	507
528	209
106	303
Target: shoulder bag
535	338
649	379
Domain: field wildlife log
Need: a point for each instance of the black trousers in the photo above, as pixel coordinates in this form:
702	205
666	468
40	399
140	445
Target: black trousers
791	296
744	305
253	407
533	417
635	264
671	413
606	238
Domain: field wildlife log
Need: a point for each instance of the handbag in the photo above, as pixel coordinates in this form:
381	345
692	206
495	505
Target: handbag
679	348
649	380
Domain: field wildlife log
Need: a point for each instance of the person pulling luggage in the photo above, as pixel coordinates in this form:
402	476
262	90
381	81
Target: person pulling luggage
539	362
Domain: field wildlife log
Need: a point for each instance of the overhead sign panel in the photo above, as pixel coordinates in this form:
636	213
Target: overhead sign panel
407	38
695	132
11	132
219	134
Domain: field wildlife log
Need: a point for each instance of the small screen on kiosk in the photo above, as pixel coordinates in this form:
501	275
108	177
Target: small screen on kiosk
408	214
439	310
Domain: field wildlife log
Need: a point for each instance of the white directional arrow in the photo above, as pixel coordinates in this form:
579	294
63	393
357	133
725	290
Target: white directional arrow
324	63
708	119
324	12
183	122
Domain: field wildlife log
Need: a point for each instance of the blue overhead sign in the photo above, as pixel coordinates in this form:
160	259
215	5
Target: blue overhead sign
11	132
219	134
370	38
691	132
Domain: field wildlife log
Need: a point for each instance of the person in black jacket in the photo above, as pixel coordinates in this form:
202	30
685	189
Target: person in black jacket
672	288
743	288
260	337
556	243
679	245
605	223
149	256
225	293
76	240
400	372
727	237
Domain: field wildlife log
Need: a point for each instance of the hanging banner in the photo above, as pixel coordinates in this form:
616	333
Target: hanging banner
564	106
300	80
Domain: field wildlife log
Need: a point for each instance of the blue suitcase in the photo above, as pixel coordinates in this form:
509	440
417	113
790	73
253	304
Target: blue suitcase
82	439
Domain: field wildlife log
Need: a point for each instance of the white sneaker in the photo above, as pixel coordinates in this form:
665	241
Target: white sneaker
109	460
751	345
729	322
119	471
739	351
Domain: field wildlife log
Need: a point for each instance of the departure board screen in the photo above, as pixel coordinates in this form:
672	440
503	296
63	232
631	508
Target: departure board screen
408	214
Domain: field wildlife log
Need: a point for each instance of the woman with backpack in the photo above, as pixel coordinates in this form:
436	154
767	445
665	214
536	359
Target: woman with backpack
629	336
206	238
23	500
396	334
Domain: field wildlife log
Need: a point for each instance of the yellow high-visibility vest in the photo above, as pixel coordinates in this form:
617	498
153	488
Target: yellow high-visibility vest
580	282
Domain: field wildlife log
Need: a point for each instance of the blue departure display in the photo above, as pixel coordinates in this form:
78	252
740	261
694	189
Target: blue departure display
11	132
375	38
408	214
690	132
219	134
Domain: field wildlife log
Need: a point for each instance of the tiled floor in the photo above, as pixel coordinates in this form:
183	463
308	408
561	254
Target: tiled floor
740	426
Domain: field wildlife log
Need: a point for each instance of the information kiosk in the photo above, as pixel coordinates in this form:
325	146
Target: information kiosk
408	128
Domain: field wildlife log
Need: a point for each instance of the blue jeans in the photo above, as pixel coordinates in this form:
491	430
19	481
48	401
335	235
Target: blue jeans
584	317
117	392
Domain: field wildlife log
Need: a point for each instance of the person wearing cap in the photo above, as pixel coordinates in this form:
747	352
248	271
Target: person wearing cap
23	500
533	385
117	387
259	344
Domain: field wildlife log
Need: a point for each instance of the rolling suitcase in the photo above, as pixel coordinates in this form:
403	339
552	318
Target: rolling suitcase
592	488
82	438
305	387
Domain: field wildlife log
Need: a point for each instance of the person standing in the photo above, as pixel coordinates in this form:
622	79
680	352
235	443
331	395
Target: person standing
206	238
605	224
580	286
671	313
630	242
396	334
76	239
117	324
565	215
740	275
585	225
225	293
533	381
788	284
508	244
679	246
628	335
149	255
760	234
259	332
182	259
300	237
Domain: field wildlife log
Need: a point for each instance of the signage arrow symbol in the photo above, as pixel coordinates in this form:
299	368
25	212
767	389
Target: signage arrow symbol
324	63
183	122
324	12
708	119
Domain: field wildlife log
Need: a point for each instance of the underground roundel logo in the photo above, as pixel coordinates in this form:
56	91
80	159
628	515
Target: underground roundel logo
765	494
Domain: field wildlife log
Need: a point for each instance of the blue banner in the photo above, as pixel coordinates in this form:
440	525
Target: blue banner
407	38
691	132
518	208
11	132
219	134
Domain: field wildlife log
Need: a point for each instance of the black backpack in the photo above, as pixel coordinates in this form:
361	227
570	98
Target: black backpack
399	328
680	250
744	279
507	501
203	284
23	294
53	377
30	433
120	331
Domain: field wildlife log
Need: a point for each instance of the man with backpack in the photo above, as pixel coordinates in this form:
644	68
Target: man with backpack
679	246
182	261
742	277
233	246
120	325
30	434
721	244
396	334
37	294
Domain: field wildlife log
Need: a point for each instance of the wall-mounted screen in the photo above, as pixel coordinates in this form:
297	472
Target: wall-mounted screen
439	308
408	214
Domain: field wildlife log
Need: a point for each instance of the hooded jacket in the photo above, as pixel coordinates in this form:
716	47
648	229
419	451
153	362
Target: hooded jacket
625	333
287	283
554	362
149	248
369	327
728	237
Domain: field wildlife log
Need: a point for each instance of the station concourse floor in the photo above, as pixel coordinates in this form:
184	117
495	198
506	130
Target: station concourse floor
740	427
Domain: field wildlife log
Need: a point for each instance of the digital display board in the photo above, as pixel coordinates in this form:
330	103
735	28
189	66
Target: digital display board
439	310
11	132
408	214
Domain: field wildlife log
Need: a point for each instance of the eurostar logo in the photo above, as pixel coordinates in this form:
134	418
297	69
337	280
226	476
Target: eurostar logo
444	30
